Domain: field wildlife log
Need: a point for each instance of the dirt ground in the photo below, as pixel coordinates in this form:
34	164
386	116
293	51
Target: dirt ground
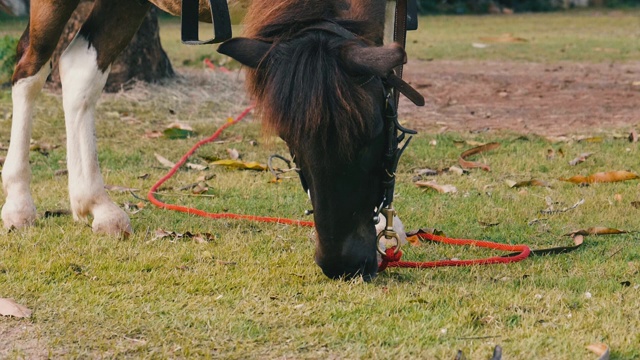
561	99
21	339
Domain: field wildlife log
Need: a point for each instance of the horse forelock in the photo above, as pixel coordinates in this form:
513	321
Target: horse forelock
304	95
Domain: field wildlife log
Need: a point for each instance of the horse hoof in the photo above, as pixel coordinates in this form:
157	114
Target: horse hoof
16	216
111	220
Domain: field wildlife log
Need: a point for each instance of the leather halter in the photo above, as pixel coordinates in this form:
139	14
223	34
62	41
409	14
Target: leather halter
396	140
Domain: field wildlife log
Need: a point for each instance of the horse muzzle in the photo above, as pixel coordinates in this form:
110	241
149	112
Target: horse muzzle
353	258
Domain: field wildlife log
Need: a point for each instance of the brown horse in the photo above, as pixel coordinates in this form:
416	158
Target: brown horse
84	67
320	89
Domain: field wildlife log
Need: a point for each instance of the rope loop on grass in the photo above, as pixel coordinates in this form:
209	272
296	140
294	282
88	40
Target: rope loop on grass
391	259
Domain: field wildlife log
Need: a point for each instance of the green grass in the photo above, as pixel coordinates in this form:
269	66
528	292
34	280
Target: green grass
564	36
254	291
95	296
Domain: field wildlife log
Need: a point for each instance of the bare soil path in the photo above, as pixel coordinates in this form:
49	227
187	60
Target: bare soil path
528	98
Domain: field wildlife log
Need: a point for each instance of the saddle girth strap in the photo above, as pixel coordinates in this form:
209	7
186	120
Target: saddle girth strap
219	16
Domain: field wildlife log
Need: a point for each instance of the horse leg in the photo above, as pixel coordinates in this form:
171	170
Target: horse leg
84	67
47	20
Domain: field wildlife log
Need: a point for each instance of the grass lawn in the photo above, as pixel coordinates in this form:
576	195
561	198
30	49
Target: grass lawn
254	291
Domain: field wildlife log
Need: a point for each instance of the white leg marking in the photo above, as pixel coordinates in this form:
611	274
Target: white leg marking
82	84
19	210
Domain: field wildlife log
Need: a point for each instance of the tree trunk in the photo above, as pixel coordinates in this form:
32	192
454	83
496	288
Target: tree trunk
143	59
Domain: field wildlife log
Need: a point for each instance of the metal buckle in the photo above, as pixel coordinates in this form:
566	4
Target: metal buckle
388	232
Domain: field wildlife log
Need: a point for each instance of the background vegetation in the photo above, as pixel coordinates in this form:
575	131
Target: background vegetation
485	6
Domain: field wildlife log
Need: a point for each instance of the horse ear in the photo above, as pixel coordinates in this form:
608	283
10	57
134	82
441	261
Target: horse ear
248	52
370	60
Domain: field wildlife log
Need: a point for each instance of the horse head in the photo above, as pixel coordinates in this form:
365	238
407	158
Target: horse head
319	85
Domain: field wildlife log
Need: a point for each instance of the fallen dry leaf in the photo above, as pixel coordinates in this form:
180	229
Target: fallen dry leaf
558	139
439	188
174	134
413	237
252	165
42	148
551	208
580	159
601	350
633	136
56	213
152	134
233	154
179	125
203	238
635	204
504	38
164	161
173	236
196	167
474	151
596	231
120	189
603	177
206	177
413	240
178	131
551	154
458	171
591	139
200	188
426	172
200	183
578	239
532	182
133	208
9	307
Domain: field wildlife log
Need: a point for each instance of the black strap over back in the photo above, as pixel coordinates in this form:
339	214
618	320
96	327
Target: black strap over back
219	16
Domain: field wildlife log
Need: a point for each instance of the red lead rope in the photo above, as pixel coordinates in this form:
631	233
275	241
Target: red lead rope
391	259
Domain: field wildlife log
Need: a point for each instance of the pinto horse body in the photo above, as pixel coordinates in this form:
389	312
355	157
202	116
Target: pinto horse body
319	90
